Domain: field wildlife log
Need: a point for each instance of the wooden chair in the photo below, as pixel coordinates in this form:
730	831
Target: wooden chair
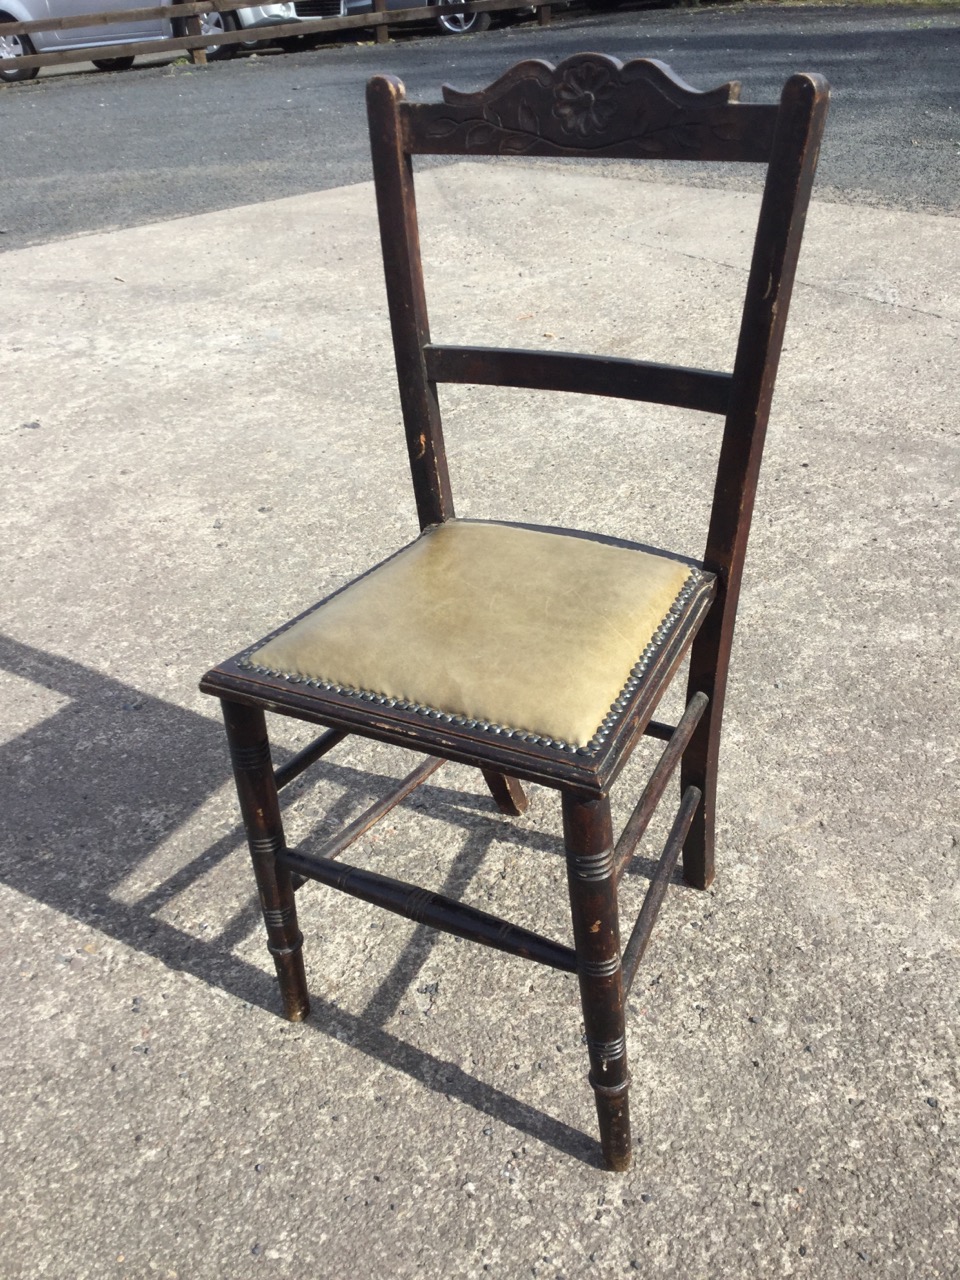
468	644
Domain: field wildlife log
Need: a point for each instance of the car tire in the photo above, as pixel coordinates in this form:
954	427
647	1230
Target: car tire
210	24
463	24
14	47
113	64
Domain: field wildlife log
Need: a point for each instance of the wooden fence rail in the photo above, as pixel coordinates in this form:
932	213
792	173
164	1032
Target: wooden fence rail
195	43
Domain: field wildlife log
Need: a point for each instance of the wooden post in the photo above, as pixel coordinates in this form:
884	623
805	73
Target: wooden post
382	33
198	57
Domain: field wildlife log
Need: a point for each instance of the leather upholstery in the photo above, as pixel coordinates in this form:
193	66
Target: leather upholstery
535	631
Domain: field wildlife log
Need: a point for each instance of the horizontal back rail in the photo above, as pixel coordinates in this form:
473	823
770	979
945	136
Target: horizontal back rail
592	105
588	374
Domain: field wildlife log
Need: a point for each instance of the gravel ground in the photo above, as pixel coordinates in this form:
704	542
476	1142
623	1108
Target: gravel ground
792	1033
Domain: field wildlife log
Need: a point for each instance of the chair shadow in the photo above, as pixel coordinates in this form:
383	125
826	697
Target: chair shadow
96	787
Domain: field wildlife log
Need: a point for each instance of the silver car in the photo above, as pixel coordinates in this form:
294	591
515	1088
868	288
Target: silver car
257	16
118	32
451	24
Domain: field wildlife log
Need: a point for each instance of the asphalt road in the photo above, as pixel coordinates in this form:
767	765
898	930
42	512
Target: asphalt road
91	151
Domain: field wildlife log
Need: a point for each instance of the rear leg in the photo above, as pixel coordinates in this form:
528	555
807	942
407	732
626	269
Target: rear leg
508	795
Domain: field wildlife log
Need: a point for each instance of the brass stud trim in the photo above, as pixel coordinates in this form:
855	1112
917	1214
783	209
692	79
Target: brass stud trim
637	674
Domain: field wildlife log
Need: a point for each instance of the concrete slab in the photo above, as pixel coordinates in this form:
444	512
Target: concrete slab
202	436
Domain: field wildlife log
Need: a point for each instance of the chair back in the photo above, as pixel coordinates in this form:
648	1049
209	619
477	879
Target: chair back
591	105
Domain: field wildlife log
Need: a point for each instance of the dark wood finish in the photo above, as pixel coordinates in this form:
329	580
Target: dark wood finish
588	839
370	817
400	240
592	105
257	792
293	768
639	820
637	944
657	729
587	375
786	195
589	105
508	794
433	909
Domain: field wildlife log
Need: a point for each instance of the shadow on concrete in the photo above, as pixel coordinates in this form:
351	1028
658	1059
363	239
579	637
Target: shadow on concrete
97	786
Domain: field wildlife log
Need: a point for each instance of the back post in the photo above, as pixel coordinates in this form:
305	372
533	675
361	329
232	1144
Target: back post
786	196
400	239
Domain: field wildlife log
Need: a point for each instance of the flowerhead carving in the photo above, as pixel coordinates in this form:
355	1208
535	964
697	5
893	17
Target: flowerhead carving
593	105
584	99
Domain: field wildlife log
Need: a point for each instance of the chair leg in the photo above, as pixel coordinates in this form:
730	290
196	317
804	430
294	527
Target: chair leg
257	791
709	662
698	768
591	876
508	794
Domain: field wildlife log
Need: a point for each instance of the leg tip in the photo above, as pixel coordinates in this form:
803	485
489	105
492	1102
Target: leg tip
698	868
618	1162
699	882
298	1013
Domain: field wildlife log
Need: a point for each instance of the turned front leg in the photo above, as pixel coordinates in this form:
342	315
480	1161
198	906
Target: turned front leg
257	791
588	836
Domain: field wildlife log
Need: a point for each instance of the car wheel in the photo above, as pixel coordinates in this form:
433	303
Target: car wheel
211	24
113	64
15	47
460	24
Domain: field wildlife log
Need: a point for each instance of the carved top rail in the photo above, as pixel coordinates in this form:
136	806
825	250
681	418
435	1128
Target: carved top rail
592	105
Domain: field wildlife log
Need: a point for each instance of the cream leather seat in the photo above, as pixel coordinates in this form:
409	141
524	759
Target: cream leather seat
533	633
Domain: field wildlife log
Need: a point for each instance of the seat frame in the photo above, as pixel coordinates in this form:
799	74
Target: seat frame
589	105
